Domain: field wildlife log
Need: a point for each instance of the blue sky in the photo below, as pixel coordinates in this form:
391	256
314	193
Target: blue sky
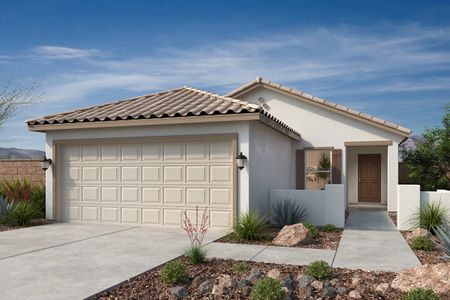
387	58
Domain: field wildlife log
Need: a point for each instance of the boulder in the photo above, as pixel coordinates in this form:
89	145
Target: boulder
196	282
305	292
416	233
435	277
179	291
274	273
227	281
293	235
318	285
354	295
205	287
341	291
304	280
254	275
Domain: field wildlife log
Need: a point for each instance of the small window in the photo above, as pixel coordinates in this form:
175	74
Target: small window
317	169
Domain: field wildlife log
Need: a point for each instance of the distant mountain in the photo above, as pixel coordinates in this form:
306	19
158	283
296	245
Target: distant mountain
16	153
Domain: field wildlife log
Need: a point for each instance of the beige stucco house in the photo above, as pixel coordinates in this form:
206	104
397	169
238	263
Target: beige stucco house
147	159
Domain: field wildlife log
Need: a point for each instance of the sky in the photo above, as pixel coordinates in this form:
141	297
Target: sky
390	59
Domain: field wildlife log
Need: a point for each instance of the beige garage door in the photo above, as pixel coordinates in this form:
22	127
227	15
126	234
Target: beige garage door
146	182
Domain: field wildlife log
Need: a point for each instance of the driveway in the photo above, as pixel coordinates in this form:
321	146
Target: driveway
74	261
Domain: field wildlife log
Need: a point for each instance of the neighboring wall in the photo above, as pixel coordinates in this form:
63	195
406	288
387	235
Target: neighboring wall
410	199
20	169
270	164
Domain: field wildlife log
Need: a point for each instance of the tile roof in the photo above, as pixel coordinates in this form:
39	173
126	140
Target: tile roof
181	102
316	100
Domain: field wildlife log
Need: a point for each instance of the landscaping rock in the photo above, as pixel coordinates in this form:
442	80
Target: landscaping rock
217	290
305	292
226	281
354	295
435	277
334	282
318	285
356	280
205	287
246	291
416	233
341	291
196	282
274	273
382	287
293	235
304	280
286	280
328	290
254	275
179	291
243	283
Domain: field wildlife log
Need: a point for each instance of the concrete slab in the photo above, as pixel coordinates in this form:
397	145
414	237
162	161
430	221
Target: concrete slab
371	242
234	251
81	268
294	256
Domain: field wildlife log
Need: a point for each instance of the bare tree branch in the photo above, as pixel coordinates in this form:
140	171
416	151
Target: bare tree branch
14	96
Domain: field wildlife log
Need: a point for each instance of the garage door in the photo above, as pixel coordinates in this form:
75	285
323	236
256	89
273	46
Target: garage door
146	182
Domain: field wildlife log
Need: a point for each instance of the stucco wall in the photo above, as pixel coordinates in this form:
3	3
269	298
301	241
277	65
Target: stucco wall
241	128
20	169
352	170
322	128
270	164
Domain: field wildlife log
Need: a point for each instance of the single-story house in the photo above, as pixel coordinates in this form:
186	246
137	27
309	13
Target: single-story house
147	159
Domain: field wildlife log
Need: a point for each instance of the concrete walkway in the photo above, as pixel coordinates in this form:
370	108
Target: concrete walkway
372	242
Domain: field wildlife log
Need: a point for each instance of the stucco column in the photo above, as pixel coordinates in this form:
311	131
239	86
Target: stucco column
49	180
392	176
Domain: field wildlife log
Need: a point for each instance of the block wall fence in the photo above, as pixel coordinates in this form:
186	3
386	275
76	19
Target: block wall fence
20	169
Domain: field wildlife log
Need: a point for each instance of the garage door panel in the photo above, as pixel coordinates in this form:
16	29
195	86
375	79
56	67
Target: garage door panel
149	183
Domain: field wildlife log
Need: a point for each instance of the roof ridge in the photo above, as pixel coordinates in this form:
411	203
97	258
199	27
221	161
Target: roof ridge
234	100
261	81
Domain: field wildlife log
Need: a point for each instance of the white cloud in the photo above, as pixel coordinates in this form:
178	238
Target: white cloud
57	52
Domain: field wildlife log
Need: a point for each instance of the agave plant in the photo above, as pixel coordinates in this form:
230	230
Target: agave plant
443	233
5	209
288	212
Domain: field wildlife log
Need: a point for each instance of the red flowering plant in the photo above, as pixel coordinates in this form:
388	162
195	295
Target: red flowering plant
196	253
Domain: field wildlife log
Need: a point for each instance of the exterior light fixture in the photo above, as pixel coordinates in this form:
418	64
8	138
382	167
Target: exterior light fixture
240	161
45	163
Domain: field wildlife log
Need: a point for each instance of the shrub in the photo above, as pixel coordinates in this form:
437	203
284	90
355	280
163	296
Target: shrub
329	228
240	267
319	269
312	229
173	272
288	212
422	243
430	216
267	289
421	294
16	190
196	254
251	226
443	233
37	197
22	214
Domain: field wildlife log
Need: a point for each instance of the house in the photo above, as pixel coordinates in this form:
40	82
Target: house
147	159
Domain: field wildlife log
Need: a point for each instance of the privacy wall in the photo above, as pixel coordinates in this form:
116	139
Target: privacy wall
20	169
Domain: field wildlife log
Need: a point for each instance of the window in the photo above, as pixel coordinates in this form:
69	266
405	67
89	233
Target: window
317	169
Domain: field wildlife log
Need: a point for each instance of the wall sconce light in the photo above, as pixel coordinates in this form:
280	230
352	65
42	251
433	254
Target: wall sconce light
45	163
240	161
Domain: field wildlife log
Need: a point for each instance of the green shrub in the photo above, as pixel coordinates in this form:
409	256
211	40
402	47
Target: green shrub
267	289
288	212
37	197
319	269
312	229
430	216
251	227
196	254
22	214
16	190
241	267
443	233
329	228
421	294
422	243
173	272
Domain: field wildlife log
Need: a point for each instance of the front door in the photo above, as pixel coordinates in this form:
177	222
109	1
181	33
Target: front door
369	178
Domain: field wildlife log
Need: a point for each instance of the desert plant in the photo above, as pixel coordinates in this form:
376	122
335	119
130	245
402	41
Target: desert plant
173	272
16	190
37	197
323	167
267	289
421	294
422	243
251	226
312	229
430	216
22	214
196	254
329	228
241	267
319	269
5	206
197	232
443	233
288	212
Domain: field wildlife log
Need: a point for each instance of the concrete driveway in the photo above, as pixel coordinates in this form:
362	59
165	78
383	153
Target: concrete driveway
74	261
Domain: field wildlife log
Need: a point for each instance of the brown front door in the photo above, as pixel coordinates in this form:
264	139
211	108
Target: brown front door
369	178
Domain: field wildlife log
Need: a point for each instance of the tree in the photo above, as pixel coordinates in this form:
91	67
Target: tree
429	161
13	97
